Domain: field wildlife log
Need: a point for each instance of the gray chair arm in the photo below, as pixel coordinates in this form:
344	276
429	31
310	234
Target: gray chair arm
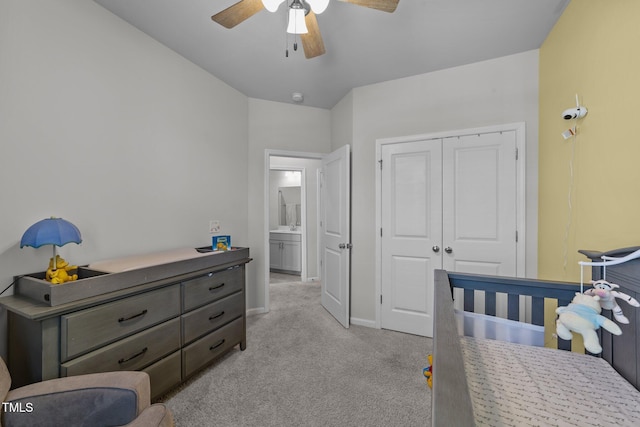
109	398
155	415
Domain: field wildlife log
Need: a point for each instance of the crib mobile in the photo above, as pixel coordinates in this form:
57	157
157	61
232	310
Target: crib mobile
583	316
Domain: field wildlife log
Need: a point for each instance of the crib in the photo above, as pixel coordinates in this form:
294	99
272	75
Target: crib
504	375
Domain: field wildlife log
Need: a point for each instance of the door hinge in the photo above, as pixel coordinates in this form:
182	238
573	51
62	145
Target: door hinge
380	161
380	231
380	298
516	236
516	154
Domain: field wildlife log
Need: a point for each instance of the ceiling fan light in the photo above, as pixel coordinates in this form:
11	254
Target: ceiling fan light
272	5
297	24
318	6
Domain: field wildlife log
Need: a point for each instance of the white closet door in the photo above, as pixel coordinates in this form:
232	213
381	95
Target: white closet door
411	228
445	203
479	204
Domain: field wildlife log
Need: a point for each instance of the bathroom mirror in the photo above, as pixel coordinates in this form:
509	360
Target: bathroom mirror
289	206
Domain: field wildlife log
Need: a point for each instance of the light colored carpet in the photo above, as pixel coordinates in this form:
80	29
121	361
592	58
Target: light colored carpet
302	368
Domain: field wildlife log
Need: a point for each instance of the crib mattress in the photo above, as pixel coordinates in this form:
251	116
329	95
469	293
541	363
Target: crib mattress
519	385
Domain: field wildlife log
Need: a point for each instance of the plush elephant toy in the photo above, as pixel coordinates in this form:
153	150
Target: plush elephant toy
583	316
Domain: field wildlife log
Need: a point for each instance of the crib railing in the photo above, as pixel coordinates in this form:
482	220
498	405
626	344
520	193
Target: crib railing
538	290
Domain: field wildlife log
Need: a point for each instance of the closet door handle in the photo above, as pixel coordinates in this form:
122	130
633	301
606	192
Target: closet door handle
448	249
436	249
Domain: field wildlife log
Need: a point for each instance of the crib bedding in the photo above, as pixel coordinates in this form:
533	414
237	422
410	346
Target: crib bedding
518	385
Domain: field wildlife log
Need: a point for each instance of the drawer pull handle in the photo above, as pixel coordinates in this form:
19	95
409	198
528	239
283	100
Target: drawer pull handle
213	288
216	345
124	319
215	316
138	354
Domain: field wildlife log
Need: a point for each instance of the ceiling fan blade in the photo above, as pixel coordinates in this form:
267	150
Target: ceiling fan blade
383	5
235	14
312	41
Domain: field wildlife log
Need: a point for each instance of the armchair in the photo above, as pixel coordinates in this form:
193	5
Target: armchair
103	399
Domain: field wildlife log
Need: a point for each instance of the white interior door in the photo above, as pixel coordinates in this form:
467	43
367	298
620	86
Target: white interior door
335	233
411	220
480	204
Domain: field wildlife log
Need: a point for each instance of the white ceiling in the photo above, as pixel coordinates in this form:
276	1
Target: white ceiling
363	45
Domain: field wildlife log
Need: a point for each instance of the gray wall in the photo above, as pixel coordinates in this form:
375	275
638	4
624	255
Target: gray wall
105	127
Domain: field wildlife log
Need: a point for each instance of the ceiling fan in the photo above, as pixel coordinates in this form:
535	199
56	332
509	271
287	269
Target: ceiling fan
311	40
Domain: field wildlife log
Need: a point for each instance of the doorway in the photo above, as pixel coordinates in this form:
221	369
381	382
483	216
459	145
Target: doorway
325	236
287	222
291	231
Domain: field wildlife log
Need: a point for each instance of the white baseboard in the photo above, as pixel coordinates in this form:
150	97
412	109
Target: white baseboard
254	311
363	322
354	320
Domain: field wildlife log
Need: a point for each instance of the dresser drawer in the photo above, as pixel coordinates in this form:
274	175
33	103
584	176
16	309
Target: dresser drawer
206	349
205	319
88	329
210	287
129	354
165	374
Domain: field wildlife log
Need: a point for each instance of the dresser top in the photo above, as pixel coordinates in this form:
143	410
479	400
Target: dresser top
135	262
147	273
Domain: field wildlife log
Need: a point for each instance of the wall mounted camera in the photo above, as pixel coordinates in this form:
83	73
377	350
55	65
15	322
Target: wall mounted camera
574	113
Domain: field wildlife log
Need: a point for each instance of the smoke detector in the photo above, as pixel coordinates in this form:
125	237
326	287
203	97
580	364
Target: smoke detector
297	97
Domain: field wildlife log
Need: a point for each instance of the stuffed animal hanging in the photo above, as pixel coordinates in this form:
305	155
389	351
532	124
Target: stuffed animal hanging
605	291
582	315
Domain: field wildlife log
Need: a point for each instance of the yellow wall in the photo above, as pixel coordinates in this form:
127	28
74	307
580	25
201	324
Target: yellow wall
594	51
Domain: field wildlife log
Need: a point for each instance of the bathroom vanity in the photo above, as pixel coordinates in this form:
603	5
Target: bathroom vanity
285	251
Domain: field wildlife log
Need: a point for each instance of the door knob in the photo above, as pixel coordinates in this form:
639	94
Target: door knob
342	246
448	249
436	249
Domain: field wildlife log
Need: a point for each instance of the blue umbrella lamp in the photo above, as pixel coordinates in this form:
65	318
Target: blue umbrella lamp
51	231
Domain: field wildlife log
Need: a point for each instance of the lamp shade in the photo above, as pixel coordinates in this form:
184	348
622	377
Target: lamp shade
297	24
318	6
272	5
51	231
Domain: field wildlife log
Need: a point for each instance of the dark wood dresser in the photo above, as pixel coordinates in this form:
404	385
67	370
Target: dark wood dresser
179	318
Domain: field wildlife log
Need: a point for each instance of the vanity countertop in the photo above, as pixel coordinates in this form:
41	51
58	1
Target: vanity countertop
287	231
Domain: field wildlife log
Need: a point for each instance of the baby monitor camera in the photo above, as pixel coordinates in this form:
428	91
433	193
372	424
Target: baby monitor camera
574	113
